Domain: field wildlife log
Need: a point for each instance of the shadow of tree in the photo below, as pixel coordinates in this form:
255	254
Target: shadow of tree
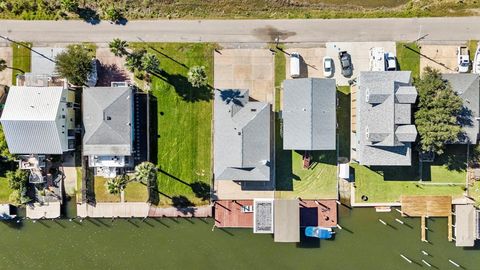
184	88
183	204
110	73
88	15
201	190
232	96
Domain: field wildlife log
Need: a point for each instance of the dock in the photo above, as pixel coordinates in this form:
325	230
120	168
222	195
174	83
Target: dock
450	237
424	229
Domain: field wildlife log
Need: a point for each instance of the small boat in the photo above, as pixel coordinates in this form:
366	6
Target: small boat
476	60
319	232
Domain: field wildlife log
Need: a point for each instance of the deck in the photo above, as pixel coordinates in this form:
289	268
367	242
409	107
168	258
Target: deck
428	206
228	213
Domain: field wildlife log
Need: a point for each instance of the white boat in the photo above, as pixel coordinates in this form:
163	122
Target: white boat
476	60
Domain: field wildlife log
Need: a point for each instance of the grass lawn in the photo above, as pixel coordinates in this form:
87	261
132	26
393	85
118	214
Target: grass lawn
280	70
408	57
136	192
343	120
101	193
21	60
474	192
5	191
183	116
472	47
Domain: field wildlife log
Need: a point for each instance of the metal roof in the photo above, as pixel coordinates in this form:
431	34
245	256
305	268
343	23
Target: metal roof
33	120
41	64
107	118
384	130
309	114
287	220
467	86
241	137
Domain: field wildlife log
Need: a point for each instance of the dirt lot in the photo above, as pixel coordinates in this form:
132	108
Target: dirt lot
110	68
251	69
441	57
6	53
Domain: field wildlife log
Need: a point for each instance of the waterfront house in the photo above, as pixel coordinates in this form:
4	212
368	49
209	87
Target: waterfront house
467	86
309	114
382	128
108	137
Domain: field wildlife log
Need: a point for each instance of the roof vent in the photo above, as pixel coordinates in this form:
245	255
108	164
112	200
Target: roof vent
109	118
367	133
253	110
367	95
239	133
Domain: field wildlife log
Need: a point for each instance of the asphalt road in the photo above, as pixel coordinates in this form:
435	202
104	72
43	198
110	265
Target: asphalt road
246	31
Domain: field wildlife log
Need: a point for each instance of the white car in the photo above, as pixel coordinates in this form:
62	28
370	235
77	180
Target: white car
294	65
327	67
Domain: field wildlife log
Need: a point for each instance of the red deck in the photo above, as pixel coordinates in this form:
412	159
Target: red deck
229	213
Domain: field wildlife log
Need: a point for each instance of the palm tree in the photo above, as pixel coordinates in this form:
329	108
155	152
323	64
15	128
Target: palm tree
197	76
118	47
150	62
3	65
134	60
145	172
116	185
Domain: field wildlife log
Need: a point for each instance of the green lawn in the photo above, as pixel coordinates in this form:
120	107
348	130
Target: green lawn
21	60
5	190
472	47
136	192
343	120
408	57
280	70
183	116
101	193
474	192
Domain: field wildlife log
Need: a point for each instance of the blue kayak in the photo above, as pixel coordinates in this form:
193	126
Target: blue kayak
319	232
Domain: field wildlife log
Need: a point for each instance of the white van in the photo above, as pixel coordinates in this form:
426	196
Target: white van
294	65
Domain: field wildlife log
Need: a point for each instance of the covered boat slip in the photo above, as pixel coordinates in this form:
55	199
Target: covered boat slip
287	221
466	225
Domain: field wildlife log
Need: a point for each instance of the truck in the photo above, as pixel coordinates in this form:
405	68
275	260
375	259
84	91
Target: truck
463	59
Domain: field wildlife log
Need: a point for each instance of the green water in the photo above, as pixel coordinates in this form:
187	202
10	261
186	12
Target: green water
190	244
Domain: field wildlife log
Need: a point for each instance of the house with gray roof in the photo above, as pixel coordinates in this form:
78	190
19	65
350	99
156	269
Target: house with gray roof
382	124
242	132
38	120
309	114
107	120
467	86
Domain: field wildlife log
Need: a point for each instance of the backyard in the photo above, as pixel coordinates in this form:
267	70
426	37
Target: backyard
5	190
182	116
134	192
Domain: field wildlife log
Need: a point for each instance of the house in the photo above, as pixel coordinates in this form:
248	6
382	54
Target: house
242	137
382	118
467	86
108	137
309	114
38	120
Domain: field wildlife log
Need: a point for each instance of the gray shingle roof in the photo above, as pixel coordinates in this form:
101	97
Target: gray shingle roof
241	137
107	118
384	131
309	114
467	86
32	120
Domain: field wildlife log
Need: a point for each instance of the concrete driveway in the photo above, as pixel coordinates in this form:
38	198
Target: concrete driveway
251	69
6	53
359	51
441	57
311	64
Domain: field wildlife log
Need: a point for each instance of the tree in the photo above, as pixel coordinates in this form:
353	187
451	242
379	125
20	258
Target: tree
116	185
150	62
118	47
4	152
145	172
197	76
113	14
438	112
17	180
3	65
69	5
134	60
74	64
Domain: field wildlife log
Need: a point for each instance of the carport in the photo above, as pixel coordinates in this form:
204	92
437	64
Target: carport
287	220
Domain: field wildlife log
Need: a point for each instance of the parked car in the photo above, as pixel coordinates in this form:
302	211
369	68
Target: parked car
93	76
327	67
294	65
346	63
463	59
391	62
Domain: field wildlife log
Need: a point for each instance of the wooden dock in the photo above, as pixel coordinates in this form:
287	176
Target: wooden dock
424	230
450	237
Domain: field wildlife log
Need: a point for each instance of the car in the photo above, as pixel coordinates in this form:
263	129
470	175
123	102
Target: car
294	65
346	63
391	62
463	59
327	67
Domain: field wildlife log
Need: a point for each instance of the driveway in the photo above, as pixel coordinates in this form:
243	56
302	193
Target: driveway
359	51
110	68
311	64
251	69
441	57
6	53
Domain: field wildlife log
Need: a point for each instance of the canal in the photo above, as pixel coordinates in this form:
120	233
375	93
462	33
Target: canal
364	243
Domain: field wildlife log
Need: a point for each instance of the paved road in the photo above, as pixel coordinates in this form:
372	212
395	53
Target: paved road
247	31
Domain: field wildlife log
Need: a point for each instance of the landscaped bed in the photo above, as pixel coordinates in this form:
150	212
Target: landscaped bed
183	118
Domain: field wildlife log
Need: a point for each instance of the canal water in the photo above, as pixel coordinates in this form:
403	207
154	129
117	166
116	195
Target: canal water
364	243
